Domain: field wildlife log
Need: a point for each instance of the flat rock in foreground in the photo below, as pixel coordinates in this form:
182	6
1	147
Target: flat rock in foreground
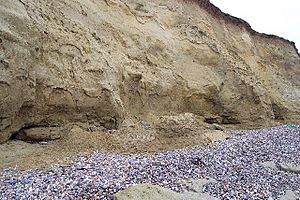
154	192
287	167
290	167
289	195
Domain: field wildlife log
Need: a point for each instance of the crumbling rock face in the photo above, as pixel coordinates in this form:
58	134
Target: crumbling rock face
38	134
103	62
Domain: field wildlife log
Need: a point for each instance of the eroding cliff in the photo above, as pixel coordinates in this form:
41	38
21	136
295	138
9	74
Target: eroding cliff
112	63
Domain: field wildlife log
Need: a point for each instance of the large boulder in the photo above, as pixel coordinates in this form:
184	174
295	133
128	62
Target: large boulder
154	192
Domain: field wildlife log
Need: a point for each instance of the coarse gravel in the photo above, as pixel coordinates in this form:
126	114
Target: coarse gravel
235	163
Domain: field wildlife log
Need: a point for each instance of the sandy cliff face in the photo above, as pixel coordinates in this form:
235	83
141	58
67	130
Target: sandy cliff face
115	62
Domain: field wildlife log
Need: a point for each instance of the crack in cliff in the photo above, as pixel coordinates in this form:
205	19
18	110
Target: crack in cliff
21	2
106	2
128	7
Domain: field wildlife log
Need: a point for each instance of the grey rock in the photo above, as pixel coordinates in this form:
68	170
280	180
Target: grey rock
197	184
269	164
154	192
289	195
289	167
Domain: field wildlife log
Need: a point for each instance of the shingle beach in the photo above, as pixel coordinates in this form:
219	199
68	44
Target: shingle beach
234	163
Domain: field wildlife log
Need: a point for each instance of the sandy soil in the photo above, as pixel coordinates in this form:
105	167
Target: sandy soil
35	155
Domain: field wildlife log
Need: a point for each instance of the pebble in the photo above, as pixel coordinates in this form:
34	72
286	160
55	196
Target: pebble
235	163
